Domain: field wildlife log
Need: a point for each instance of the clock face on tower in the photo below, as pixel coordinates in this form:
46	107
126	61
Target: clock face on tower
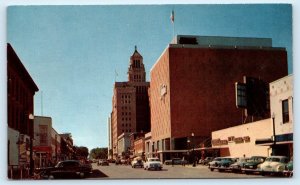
163	90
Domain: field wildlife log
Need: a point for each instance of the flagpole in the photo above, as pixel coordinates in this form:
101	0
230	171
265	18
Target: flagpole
173	22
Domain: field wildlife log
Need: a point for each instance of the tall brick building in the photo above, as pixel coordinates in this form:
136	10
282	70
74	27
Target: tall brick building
20	97
131	112
193	87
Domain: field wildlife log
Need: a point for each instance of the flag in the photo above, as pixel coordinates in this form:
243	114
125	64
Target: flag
172	17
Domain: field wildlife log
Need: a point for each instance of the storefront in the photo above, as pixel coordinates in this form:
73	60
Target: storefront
241	140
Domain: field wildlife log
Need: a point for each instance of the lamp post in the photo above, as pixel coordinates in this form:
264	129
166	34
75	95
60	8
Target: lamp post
193	153
274	135
188	146
31	162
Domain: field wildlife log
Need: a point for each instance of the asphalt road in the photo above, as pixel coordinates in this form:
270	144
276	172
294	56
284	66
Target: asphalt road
168	172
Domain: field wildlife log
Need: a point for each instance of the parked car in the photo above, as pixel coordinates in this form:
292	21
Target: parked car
222	164
288	171
251	166
214	162
152	163
273	165
137	162
176	161
66	169
237	166
102	162
206	160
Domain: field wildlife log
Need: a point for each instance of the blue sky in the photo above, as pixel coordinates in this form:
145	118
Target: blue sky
72	52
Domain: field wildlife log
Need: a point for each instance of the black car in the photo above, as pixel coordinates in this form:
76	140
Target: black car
68	169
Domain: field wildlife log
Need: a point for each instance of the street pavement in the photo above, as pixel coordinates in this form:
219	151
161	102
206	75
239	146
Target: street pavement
168	172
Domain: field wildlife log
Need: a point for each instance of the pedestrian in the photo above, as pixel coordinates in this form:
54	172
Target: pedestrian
172	162
183	162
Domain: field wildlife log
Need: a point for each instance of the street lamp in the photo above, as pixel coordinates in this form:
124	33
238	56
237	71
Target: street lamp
274	135
193	154
31	162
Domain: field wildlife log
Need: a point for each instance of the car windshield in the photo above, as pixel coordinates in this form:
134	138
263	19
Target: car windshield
273	159
256	159
226	159
154	160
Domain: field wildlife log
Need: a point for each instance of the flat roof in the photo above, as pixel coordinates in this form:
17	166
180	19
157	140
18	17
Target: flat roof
222	41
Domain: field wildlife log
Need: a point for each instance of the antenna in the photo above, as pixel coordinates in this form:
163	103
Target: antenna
41	103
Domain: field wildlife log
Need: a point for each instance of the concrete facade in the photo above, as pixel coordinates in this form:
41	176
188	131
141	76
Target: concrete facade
42	144
123	145
281	104
192	87
240	140
281	90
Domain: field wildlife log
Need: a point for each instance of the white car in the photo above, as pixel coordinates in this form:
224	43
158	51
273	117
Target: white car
273	165
152	163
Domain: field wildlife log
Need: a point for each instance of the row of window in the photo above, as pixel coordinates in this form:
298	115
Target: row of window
126	119
136	63
126	113
126	125
17	92
17	119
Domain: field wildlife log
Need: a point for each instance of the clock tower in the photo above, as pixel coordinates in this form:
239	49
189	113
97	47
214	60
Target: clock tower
136	70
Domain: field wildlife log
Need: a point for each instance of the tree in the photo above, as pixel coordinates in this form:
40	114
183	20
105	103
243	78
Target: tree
99	153
81	151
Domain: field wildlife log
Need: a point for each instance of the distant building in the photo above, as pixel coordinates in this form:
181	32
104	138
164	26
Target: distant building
193	87
66	146
110	147
42	144
20	92
55	144
131	112
124	145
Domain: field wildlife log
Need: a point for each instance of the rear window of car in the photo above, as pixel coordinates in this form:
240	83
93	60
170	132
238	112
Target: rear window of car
273	159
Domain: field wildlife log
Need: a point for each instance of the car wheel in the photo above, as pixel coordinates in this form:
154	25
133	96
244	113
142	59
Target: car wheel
211	169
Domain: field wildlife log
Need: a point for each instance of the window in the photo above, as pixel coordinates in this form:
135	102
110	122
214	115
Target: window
43	135
285	111
241	98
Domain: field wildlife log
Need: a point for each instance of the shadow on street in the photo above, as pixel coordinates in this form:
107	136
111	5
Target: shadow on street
97	174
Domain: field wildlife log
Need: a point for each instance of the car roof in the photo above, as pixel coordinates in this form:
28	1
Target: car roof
278	157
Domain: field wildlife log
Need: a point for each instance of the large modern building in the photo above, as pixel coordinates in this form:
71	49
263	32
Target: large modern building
193	87
20	93
131	112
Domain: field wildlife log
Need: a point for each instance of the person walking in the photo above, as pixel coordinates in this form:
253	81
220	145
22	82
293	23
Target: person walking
183	162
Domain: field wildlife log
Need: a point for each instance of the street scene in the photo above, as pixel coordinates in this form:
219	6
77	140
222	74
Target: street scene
150	92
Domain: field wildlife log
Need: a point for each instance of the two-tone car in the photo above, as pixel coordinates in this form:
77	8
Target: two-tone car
223	164
251	165
214	163
238	165
137	162
153	164
274	165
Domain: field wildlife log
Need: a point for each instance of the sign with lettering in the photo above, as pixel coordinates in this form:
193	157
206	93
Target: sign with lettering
218	142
